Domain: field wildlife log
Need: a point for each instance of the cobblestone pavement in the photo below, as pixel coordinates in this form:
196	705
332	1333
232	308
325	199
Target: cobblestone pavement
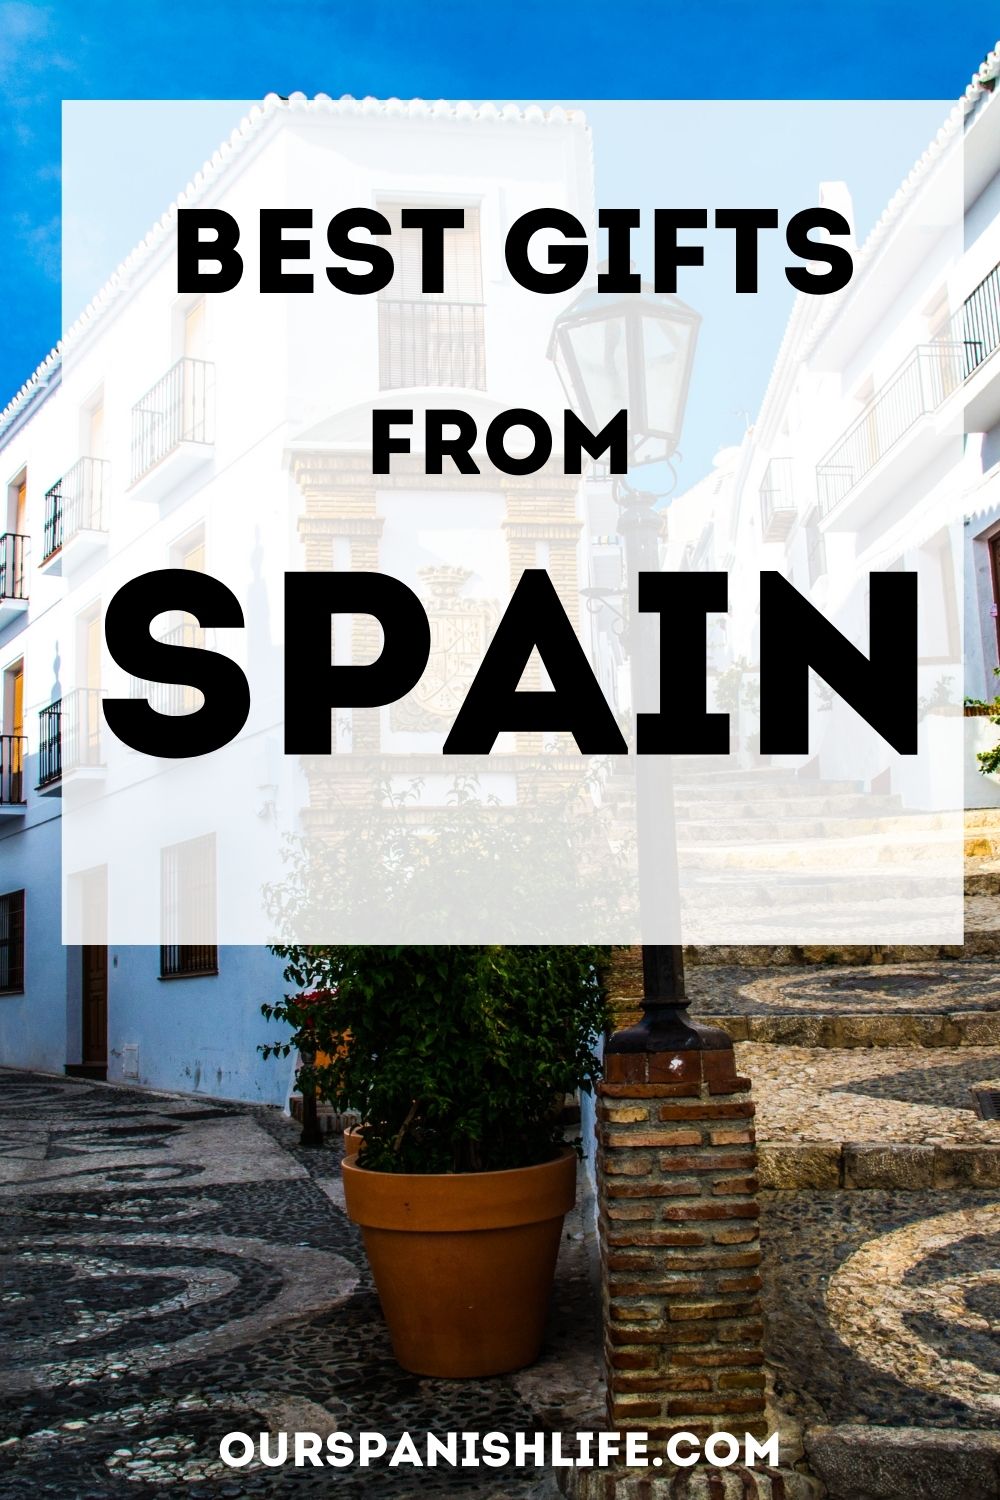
174	1270
881	989
902	1095
883	1307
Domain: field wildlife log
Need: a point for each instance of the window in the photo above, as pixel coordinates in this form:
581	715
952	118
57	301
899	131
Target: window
12	743
187	961
193	331
82	716
12	943
188	553
87	895
13	541
433	338
17	505
188	909
13	704
180	629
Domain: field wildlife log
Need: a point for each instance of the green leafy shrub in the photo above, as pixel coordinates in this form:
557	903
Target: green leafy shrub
989	760
455	1057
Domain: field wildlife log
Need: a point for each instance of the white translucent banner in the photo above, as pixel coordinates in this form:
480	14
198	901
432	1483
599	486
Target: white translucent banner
230	433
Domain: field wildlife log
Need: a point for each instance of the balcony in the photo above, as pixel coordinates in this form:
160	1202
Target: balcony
13	753
976	327
173	697
76	516
427	343
173	428
13	577
869	461
777	501
69	740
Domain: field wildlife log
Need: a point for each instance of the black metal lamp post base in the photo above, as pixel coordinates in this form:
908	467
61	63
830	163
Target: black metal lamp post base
666	1025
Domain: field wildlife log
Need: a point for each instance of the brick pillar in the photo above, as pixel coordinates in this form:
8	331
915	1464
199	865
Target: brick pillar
679	1245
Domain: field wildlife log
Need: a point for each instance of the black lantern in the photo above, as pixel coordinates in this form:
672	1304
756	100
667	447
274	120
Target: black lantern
632	351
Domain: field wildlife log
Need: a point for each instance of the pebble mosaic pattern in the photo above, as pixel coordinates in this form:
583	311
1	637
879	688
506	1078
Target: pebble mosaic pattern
882	1309
138	1316
146	1310
883	989
904	1095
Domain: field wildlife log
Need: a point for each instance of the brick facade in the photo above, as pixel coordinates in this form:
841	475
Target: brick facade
679	1245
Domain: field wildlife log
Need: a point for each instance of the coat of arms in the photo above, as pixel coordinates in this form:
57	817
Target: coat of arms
460	632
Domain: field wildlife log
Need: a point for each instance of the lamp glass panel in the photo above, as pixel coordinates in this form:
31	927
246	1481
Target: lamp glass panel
665	348
600	349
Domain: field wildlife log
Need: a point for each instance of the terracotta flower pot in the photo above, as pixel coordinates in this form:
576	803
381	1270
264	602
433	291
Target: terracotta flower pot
463	1262
353	1141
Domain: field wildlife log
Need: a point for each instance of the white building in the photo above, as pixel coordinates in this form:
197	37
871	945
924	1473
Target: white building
877	447
135	446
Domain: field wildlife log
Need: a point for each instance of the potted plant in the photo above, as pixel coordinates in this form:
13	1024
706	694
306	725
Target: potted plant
457	1057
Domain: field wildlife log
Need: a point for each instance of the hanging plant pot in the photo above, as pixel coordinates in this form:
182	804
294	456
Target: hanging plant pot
463	1262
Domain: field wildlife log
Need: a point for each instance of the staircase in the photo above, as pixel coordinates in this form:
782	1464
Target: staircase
780	851
872	1069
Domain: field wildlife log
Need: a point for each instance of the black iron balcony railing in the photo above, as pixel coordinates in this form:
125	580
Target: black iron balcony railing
431	343
76	502
69	734
13	752
13	566
777	500
930	374
976	324
183	960
173	697
180	408
49	744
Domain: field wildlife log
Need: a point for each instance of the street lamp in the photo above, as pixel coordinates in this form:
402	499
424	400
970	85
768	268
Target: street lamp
635	352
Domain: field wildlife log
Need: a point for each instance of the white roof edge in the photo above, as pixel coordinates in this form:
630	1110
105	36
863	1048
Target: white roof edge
980	85
271	106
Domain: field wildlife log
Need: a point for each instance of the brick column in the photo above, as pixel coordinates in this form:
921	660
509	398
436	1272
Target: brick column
679	1245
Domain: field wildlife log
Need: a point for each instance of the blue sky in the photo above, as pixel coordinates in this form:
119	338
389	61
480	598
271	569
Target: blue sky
546	49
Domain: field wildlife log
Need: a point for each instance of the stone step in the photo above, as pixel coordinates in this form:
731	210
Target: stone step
977	946
848	997
928	851
883	1118
847	804
754	785
982	817
982	843
968	1028
982	877
885	1462
748	831
845	1164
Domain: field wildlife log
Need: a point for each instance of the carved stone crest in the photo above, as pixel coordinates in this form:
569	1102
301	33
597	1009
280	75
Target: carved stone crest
460	632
